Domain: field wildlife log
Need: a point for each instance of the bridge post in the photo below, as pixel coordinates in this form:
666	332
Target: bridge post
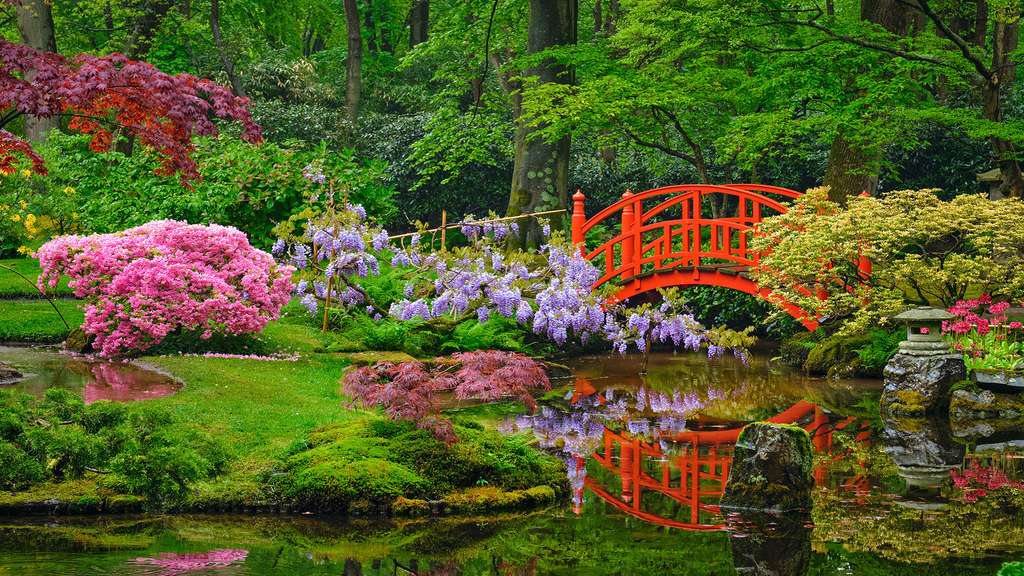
627	243
863	262
579	218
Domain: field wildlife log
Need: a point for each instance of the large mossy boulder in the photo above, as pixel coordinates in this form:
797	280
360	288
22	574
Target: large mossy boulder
771	469
920	385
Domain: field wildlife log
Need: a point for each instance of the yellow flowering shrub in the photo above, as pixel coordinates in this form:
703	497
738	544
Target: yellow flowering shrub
923	250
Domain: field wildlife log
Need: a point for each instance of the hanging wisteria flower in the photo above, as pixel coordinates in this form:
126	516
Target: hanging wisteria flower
549	291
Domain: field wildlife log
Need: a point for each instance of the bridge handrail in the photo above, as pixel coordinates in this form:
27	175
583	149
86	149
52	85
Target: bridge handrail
747	191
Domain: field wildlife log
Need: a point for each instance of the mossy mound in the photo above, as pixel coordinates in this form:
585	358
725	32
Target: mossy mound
837	354
771	469
364	464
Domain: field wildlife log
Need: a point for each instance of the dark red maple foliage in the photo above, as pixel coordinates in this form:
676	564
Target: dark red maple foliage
101	94
408	390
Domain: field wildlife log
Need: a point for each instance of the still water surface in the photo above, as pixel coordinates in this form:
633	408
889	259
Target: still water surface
93	378
647	458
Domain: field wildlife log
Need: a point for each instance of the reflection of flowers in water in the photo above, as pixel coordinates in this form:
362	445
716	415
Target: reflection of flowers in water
123	382
578	433
976	480
174	563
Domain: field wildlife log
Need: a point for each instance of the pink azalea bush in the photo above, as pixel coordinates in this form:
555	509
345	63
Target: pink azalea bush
144	283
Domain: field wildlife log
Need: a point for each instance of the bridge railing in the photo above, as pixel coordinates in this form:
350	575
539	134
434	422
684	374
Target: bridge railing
668	228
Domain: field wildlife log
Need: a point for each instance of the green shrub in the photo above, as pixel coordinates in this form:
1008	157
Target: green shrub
881	346
18	470
250	187
146	451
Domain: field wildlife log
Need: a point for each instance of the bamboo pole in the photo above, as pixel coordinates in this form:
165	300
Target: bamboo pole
444	229
504	219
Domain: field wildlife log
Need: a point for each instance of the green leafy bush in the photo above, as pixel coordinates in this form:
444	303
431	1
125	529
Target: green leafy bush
882	345
250	187
140	450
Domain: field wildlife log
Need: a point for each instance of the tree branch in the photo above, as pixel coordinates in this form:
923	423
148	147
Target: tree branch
965	48
656	146
866	44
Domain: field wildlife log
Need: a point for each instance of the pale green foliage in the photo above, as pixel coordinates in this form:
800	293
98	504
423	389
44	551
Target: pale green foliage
923	251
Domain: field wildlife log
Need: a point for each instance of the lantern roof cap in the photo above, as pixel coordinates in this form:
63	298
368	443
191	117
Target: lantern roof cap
924	314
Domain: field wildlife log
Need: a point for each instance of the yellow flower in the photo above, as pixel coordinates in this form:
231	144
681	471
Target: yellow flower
69	190
16	218
74	215
26	173
23	204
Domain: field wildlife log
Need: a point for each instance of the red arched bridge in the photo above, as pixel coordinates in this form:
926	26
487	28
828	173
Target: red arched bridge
667	238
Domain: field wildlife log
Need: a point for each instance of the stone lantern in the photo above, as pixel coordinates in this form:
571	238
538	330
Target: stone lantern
924	331
918	379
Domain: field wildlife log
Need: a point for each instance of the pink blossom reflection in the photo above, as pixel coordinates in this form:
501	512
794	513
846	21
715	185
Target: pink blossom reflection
173	563
125	383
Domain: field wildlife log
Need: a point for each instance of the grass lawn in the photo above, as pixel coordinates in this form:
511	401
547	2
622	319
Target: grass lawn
14	286
36	320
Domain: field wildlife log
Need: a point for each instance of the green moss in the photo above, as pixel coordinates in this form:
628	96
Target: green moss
834	350
907	403
490	499
410	507
380	460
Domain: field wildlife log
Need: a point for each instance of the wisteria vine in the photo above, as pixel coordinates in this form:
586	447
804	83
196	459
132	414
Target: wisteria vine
549	291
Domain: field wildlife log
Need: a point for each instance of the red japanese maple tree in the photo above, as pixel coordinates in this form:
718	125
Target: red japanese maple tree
101	94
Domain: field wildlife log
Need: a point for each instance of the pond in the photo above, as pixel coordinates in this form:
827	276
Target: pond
95	379
647	459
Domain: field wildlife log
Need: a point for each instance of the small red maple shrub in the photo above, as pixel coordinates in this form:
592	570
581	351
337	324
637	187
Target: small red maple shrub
103	93
408	390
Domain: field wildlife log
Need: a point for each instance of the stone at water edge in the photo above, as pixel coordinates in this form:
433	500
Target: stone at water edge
78	341
771	469
8	375
919	385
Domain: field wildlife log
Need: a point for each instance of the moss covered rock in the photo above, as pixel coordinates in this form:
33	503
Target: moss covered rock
920	385
771	469
835	351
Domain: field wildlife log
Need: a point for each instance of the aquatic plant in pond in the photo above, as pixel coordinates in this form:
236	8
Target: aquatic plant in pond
408	390
548	291
144	283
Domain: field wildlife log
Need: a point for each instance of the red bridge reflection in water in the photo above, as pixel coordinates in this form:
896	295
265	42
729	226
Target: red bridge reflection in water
691	467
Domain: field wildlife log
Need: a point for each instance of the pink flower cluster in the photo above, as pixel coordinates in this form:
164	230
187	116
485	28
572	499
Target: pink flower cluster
147	282
979	315
976	480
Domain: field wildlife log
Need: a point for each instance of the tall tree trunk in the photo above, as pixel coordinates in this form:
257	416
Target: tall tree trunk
980	23
1004	71
850	171
35	23
419	22
353	62
225	60
540	175
853	168
139	41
